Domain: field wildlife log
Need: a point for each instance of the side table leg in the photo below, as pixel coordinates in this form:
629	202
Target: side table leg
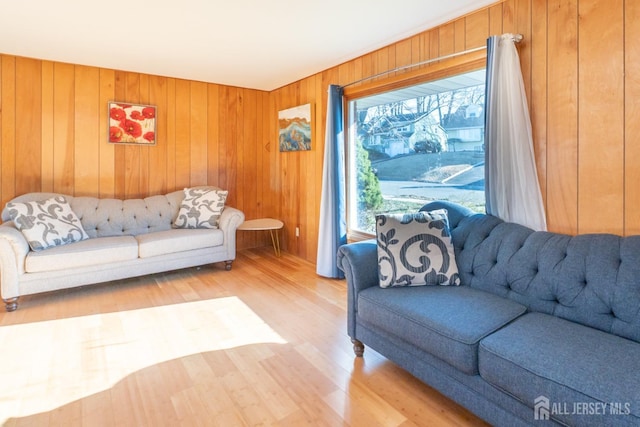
275	242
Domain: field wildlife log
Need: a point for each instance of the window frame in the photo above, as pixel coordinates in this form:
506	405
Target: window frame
425	73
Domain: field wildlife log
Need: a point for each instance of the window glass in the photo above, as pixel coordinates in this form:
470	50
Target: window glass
409	146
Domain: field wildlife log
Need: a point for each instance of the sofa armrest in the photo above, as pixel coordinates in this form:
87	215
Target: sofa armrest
359	262
229	222
13	252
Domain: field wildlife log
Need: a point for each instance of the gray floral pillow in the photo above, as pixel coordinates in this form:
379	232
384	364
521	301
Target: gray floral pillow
47	223
201	208
415	249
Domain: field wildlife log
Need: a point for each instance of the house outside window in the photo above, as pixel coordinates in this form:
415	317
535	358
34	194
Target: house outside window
413	145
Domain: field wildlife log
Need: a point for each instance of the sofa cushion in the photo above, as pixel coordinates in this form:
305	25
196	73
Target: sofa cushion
446	321
47	223
575	367
591	279
177	240
201	208
100	250
415	249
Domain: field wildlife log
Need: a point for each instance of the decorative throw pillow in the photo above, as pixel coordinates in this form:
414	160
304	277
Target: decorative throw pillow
201	208
415	249
47	223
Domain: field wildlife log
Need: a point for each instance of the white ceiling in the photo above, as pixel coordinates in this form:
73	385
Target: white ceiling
258	44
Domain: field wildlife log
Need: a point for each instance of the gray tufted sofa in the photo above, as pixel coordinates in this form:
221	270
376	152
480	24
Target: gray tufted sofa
127	238
544	330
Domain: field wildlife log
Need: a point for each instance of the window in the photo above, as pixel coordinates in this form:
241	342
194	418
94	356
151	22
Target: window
409	146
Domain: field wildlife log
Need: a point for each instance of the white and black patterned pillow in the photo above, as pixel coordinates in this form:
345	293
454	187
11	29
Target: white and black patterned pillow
47	223
415	249
201	208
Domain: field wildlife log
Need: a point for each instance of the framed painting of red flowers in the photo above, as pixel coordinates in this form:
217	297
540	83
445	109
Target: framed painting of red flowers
132	124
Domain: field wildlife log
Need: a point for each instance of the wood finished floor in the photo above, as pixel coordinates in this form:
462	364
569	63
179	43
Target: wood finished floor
264	344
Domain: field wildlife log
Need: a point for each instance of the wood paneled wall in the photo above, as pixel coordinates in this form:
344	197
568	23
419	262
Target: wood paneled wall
53	121
581	65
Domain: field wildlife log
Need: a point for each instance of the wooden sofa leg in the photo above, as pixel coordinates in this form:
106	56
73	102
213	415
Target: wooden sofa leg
358	347
227	265
11	304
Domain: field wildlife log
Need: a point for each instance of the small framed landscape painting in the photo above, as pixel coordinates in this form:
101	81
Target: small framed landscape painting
132	123
294	125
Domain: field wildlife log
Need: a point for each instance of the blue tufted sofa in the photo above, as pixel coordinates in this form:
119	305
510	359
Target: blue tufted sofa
544	330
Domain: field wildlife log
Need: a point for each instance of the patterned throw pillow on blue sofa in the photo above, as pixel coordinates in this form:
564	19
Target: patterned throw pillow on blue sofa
415	249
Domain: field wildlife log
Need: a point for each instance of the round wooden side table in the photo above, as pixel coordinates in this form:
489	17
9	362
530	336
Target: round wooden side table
265	224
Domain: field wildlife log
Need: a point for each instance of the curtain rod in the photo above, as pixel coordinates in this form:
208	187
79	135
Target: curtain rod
516	38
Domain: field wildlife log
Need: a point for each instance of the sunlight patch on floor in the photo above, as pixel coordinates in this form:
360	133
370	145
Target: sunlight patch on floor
45	365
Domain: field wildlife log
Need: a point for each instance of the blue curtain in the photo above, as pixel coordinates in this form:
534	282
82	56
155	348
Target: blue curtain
332	231
512	189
